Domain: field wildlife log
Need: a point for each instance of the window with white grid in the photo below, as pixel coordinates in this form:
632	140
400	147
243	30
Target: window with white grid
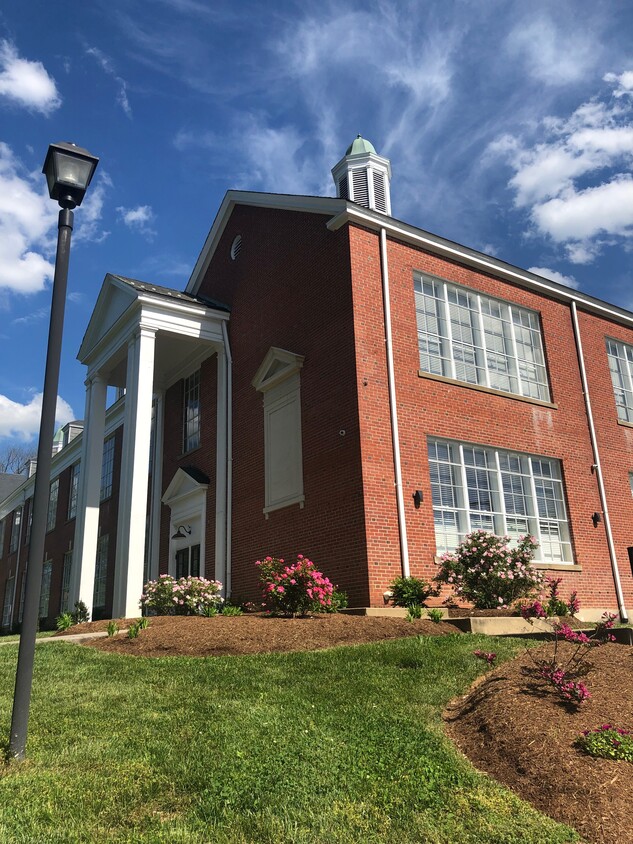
45	589
101	572
64	602
191	412
15	530
470	337
620	357
74	489
502	492
53	495
107	469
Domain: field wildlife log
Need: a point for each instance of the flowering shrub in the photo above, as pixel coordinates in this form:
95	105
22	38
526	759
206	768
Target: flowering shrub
294	588
488	573
563	676
186	596
608	742
489	657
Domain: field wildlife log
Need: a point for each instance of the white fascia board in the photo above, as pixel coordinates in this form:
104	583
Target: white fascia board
278	201
461	254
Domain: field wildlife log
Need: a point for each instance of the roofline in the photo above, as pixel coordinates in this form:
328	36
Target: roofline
344	212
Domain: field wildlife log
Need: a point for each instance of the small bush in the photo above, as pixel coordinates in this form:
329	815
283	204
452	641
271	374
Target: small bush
133	630
413	612
143	623
80	613
410	591
64	621
186	596
210	611
230	609
294	589
338	601
607	742
113	628
485	571
436	615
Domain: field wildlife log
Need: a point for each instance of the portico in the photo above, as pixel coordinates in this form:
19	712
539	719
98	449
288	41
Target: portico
142	339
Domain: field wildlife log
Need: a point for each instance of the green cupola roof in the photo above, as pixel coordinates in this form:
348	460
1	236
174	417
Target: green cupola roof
359	146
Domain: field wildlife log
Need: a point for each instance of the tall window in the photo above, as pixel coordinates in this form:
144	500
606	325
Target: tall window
191	412
621	365
64	603
470	337
499	491
101	574
8	601
74	490
107	469
188	562
45	590
53	495
29	519
15	530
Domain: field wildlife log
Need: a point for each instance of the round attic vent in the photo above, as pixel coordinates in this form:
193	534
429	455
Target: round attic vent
236	247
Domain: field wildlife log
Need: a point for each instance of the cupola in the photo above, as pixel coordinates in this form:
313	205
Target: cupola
363	176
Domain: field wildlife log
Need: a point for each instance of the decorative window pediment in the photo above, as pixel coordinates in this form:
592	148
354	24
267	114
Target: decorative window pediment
275	368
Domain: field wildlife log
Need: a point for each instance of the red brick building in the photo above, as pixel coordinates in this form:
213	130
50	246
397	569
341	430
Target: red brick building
337	383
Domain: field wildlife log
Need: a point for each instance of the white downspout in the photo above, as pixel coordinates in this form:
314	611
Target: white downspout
229	454
598	468
402	527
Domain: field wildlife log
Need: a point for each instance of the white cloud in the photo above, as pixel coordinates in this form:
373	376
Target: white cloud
22	421
138	219
575	181
554	275
26	82
108	67
624	80
88	218
552	54
35	316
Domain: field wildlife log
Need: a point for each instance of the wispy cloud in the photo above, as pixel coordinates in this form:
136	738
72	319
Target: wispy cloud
89	220
138	219
107	65
554	275
575	180
22	421
35	316
25	82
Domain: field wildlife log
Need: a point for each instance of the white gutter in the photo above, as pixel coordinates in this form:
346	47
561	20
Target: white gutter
598	468
229	456
402	527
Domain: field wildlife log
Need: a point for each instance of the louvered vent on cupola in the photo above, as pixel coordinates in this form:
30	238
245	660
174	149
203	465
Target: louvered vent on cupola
363	176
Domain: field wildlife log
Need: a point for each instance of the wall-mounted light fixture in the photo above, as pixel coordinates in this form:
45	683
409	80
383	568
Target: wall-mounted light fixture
596	519
182	532
417	498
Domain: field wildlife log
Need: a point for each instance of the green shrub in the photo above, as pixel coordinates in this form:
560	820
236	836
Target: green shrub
64	621
413	612
607	742
410	591
294	588
185	596
436	615
231	609
209	611
338	601
80	613
133	630
113	628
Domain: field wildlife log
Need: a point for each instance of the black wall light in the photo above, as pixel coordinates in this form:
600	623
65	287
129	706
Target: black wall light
596	518
182	532
417	498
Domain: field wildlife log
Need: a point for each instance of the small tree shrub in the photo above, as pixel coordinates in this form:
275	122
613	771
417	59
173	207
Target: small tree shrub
80	613
295	588
485	571
410	591
607	742
64	621
186	596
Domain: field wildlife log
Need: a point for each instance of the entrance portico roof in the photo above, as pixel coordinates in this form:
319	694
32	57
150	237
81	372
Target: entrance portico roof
188	330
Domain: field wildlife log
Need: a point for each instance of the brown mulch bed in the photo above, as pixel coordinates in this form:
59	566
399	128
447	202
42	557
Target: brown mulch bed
509	725
518	731
254	633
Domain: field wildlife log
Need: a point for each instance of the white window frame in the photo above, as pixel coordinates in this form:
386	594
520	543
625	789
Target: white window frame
107	469
101	572
620	357
73	490
477	339
9	595
191	412
53	496
64	598
504	492
45	588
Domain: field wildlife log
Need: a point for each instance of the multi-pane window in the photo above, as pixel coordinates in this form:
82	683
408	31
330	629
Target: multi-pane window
503	492
107	469
64	603
53	495
15	530
188	562
101	572
8	602
470	337
45	589
621	365
29	519
74	490
191	412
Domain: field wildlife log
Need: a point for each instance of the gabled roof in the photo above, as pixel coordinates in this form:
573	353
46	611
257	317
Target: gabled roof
9	483
344	212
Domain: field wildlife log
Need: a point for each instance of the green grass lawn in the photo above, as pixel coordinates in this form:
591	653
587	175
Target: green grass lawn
343	745
15	637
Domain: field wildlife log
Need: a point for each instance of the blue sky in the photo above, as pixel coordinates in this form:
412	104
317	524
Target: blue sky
509	127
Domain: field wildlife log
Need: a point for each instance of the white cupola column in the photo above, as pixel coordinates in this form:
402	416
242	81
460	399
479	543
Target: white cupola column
133	491
363	176
89	493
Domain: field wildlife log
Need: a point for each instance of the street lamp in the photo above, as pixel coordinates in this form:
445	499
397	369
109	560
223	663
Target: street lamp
68	170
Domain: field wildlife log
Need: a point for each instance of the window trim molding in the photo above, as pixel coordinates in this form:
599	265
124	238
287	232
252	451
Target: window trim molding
490	390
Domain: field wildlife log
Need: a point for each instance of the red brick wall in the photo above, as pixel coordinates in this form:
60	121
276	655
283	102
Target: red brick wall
290	288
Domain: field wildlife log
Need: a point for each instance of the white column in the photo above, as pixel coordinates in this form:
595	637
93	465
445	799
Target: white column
128	575
157	483
220	472
88	494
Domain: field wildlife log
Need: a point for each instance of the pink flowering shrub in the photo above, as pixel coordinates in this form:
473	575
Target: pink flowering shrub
294	588
186	596
607	742
485	571
488	657
562	672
